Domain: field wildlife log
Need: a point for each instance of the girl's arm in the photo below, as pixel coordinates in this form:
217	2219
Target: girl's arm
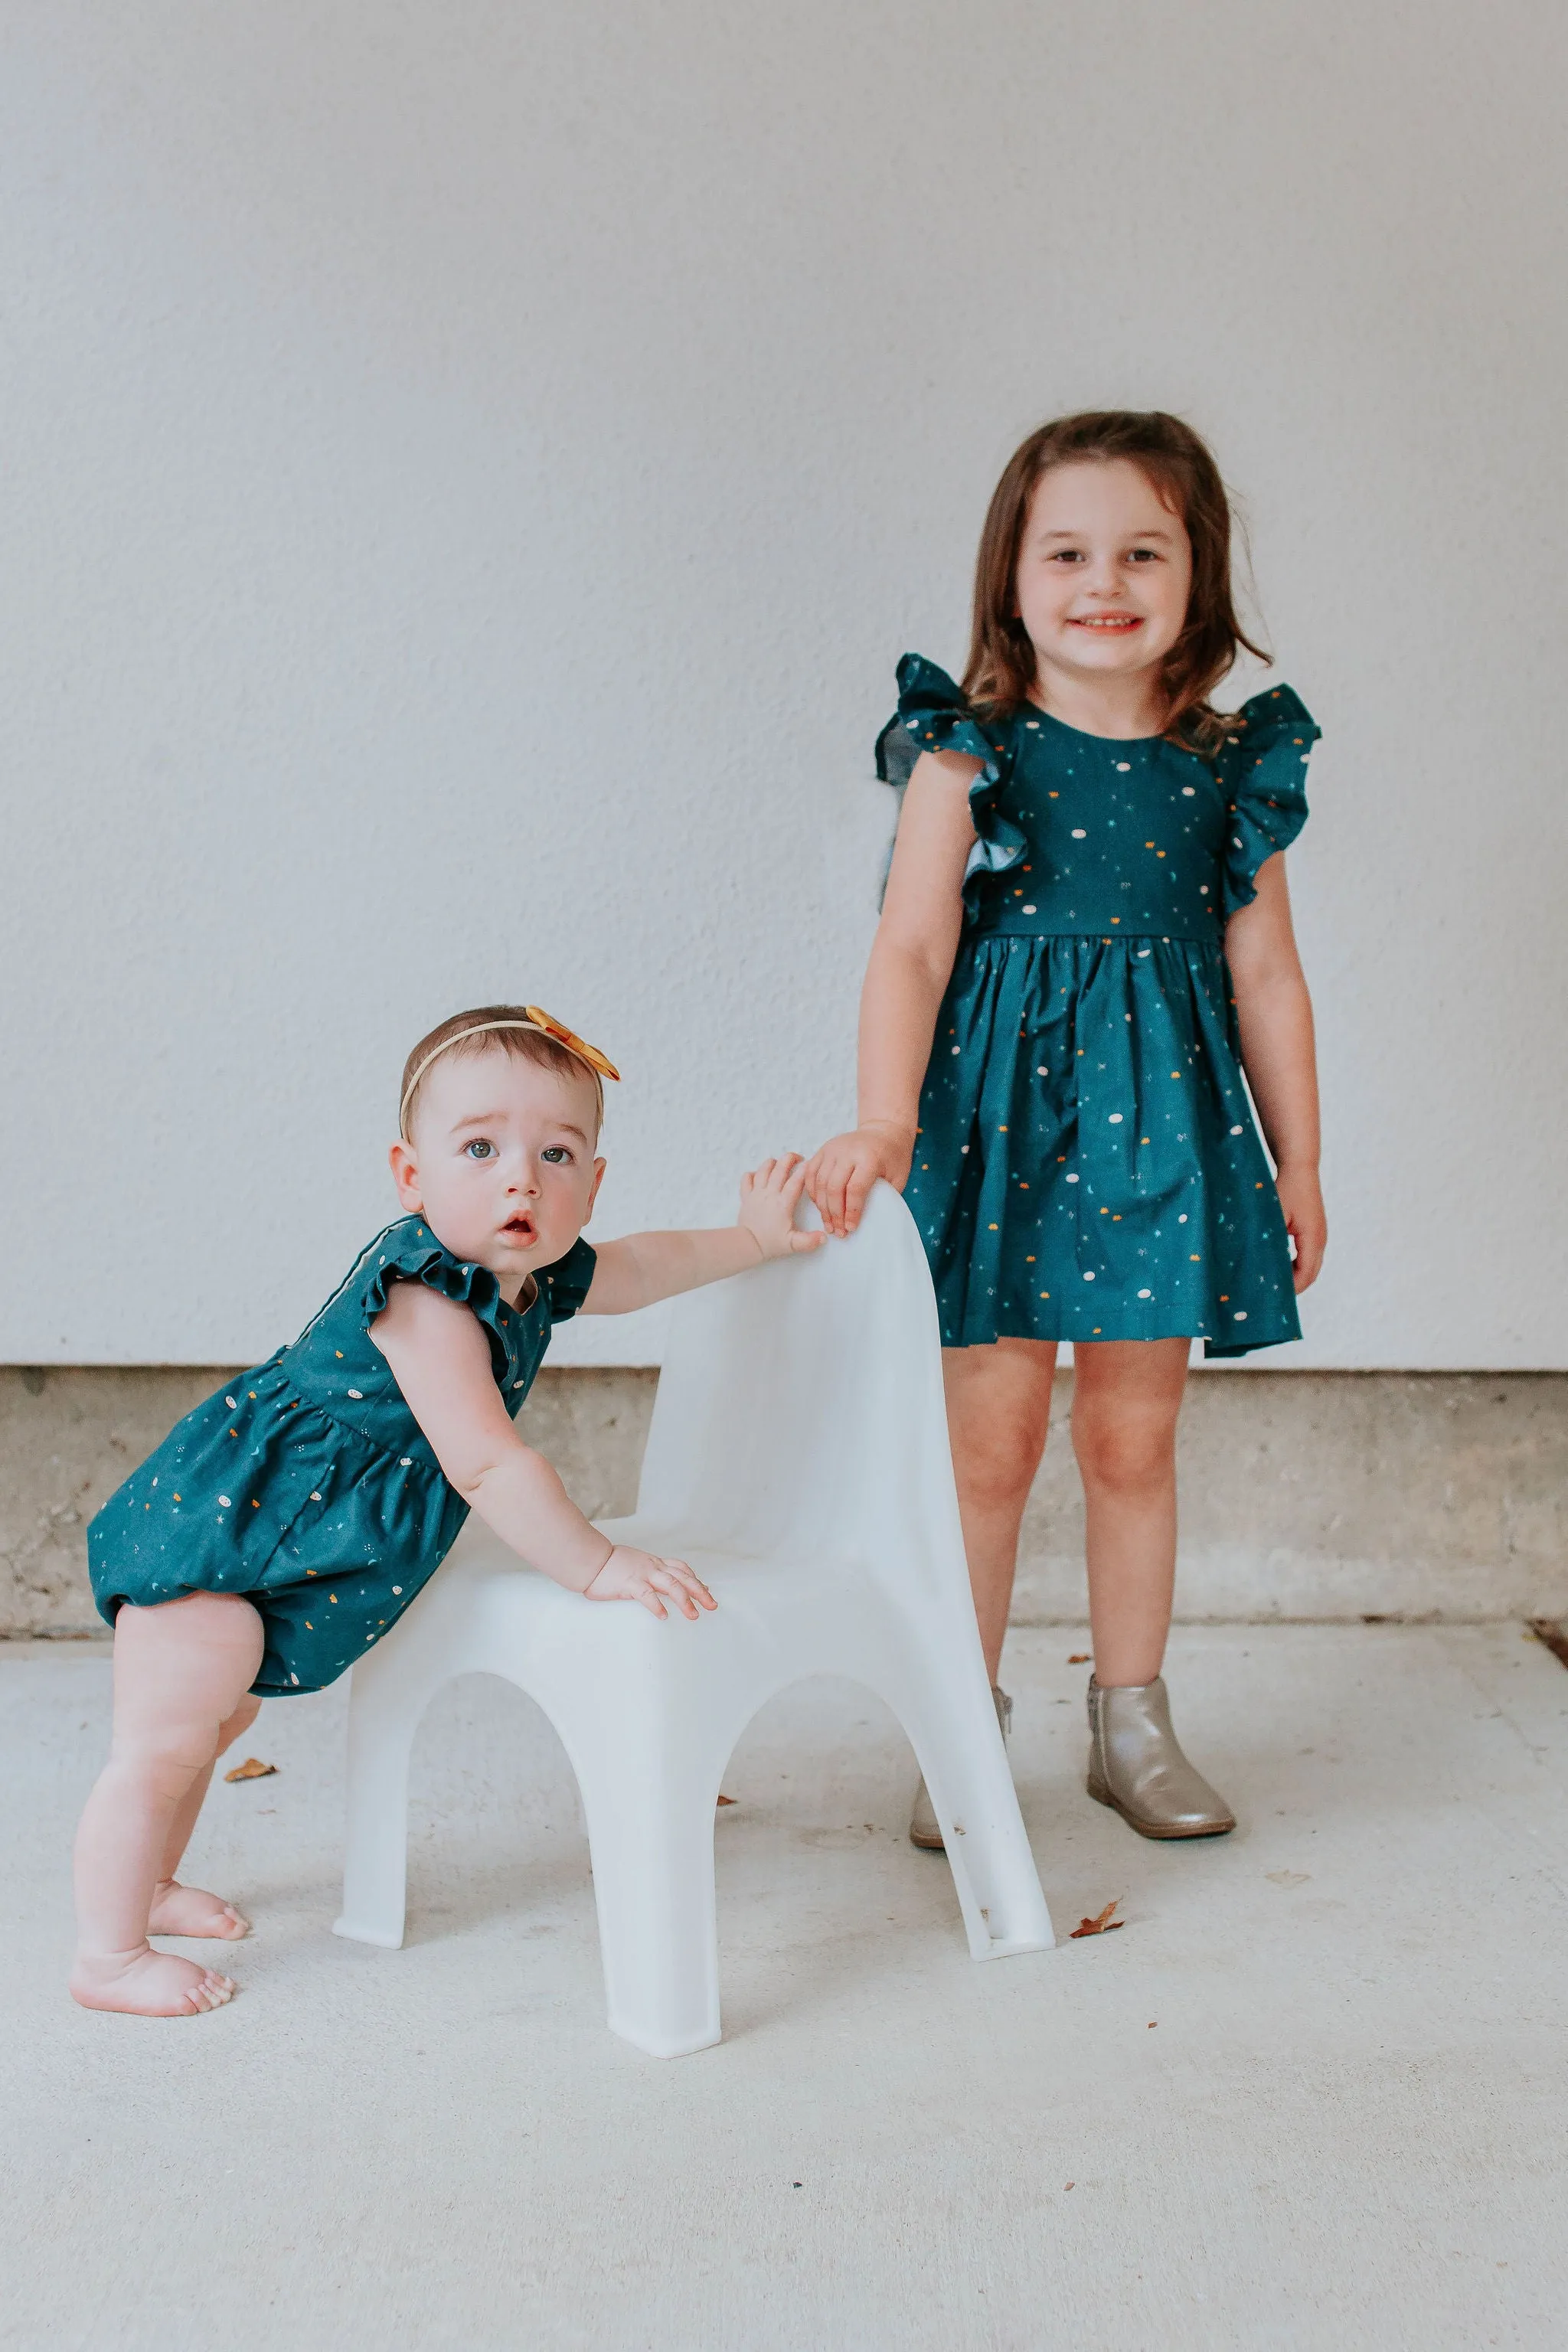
1275	1016
910	967
642	1268
440	1359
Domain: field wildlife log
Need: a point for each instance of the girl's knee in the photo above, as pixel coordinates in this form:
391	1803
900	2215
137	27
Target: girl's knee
1127	1454
998	1455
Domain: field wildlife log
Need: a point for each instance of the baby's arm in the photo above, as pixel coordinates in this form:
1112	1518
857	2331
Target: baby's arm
643	1267
440	1359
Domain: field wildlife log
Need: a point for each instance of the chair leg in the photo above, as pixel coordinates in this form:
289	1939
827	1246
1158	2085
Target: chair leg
650	1837
384	1715
960	1752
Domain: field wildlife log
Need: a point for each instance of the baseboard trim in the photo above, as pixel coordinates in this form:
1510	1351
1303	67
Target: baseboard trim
1307	1498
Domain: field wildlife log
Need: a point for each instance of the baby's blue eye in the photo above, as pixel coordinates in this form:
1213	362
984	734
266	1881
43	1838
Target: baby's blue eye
479	1148
555	1153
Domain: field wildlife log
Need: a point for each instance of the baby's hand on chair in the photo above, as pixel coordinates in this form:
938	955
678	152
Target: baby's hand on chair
769	1197
629	1575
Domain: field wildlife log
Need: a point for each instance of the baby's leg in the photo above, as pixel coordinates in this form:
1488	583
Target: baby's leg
188	1910
182	1670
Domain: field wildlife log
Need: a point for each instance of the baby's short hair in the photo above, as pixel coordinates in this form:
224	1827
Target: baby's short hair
509	1026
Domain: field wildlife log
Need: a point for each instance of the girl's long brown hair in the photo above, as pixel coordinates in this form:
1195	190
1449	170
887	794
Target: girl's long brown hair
999	674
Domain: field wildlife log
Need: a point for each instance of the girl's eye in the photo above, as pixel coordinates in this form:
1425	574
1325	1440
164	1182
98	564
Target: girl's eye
1143	555
1068	555
479	1148
556	1153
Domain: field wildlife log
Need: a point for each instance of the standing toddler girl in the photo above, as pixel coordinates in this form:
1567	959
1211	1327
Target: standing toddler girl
1086	941
285	1524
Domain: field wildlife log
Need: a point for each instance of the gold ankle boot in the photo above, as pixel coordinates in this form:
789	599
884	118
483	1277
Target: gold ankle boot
923	1830
1136	1766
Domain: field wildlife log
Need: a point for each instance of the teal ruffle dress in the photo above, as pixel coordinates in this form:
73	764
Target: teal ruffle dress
306	1484
1088	1166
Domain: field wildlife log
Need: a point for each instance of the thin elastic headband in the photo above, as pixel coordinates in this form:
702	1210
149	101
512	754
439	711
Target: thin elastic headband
556	1030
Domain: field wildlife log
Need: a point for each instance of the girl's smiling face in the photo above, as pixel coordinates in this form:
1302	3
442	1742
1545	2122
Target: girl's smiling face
1105	568
501	1164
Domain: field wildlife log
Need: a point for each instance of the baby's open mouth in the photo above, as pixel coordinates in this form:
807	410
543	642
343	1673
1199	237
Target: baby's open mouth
519	1229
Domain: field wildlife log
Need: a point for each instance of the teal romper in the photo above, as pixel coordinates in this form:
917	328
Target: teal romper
1087	1165
306	1484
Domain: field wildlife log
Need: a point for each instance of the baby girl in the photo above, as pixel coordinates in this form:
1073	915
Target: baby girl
287	1523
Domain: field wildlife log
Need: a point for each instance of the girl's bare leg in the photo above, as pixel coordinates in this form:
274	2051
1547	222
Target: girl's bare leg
182	1673
998	1412
1127	1396
187	1910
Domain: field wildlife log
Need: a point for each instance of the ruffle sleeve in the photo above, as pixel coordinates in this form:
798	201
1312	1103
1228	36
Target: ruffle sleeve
932	716
409	1251
566	1284
1262	769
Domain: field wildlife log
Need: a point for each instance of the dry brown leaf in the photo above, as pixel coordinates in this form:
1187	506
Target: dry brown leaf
1104	1924
729	1800
253	1769
1081	1658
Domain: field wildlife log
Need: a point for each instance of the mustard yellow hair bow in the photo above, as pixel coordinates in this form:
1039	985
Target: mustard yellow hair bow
599	1063
533	1018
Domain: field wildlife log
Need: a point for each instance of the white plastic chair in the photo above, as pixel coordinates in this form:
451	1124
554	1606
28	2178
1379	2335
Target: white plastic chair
798	1459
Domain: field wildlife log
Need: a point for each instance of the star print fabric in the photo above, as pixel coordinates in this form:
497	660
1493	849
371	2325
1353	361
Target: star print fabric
306	1484
1088	1166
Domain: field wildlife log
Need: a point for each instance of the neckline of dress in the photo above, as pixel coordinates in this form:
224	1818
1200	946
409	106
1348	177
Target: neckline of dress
1084	733
528	1296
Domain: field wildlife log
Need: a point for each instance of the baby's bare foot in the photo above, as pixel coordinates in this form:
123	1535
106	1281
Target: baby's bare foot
148	1984
187	1911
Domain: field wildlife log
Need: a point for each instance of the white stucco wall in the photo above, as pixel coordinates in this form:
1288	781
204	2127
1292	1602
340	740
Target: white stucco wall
469	472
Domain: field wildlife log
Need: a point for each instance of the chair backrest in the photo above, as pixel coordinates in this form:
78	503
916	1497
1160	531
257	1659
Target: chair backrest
801	1408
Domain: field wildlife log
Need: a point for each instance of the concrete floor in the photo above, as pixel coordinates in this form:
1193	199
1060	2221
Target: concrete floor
1316	2095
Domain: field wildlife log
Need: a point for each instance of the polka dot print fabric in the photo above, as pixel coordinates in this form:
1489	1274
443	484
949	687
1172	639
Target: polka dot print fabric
306	1484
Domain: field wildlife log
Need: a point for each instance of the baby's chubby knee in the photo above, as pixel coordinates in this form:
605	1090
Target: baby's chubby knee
243	1715
164	1755
184	1734
183	1671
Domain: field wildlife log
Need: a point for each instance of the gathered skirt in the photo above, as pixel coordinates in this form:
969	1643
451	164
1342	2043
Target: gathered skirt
1088	1166
260	1493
